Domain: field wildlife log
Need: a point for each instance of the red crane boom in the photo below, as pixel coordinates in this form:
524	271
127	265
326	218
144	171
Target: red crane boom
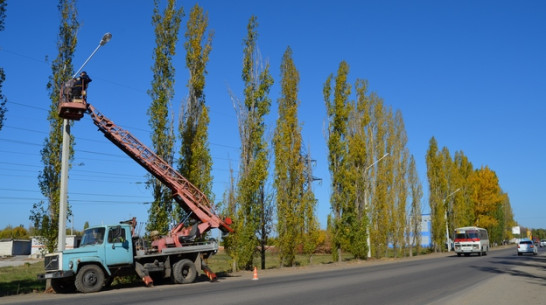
190	198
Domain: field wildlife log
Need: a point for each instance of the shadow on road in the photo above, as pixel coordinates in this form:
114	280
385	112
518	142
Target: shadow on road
529	267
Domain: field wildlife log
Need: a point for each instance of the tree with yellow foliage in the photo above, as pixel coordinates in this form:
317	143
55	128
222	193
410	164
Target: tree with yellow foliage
487	197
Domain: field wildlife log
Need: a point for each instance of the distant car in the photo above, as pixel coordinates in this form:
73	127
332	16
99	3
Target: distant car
527	246
543	243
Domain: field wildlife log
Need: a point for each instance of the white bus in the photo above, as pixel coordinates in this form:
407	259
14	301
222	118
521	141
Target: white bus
470	240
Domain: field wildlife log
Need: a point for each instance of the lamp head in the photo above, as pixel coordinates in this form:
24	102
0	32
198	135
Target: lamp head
105	39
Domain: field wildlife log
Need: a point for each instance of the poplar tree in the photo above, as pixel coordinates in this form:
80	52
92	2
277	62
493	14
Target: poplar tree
400	158
250	215
388	179
437	181
496	231
509	221
338	109
461	213
289	165
416	193
195	161
3	100
451	193
229	202
166	26
359	120
311	228
380	216
45	215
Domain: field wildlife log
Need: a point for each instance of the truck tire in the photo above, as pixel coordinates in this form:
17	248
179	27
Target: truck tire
184	272
90	278
63	285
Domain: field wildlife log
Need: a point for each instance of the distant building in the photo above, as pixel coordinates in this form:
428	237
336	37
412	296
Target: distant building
38	248
426	231
12	247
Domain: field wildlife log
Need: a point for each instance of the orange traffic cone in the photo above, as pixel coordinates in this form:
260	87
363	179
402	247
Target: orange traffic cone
255	274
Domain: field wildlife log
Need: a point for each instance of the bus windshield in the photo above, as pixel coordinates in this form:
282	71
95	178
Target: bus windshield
467	235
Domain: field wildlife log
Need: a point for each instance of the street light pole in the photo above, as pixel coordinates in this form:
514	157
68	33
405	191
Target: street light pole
445	217
105	38
63	205
369	255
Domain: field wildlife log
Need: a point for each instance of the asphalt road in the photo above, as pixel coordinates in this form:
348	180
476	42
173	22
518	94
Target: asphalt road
436	279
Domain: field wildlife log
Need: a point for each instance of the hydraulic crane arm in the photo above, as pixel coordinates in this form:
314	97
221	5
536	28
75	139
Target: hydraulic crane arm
189	197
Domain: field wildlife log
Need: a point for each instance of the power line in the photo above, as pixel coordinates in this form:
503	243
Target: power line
10	101
18	164
24	56
25	129
76	193
18	153
20	142
107	202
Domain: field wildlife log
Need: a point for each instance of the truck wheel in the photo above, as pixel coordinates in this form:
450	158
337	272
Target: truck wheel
90	278
64	285
184	272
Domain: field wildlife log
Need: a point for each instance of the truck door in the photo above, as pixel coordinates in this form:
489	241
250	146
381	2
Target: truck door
118	248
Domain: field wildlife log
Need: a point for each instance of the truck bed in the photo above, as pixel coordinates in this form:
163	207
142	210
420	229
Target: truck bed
210	246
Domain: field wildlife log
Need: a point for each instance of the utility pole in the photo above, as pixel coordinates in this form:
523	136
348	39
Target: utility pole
65	151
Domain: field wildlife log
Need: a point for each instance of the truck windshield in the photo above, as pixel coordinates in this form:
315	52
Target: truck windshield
92	237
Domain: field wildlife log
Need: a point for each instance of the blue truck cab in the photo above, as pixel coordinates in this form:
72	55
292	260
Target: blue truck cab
104	251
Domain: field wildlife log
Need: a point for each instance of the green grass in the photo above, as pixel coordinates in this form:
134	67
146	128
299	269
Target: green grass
21	279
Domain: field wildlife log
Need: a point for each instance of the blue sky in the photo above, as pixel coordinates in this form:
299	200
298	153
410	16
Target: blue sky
469	73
